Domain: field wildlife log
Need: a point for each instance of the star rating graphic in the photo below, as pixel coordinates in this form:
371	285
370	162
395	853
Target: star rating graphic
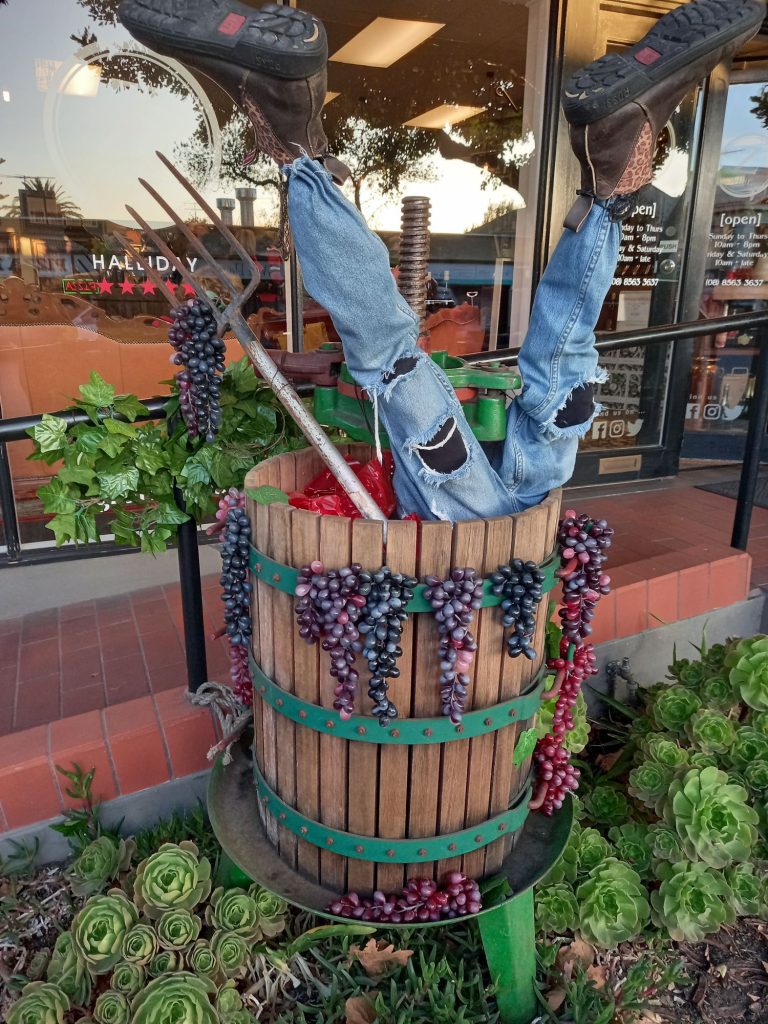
126	288
105	287
147	287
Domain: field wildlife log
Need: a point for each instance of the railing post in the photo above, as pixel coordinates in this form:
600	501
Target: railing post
191	601
8	507
758	417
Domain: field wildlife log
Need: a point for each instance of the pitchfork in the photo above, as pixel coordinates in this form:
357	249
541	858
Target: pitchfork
231	318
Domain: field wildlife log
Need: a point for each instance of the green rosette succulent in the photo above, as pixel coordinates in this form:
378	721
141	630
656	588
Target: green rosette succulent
41	1002
140	944
593	849
99	863
692	674
756	777
173	878
556	908
631	842
750	745
664	749
179	998
664	843
613	904
128	979
737	778
746	890
231	952
234	910
165	962
242	1017
760	722
567	867
718	692
747	662
699	760
711	732
649	782
640	728
202	960
711	816
714	659
229	1002
607	805
693	901
99	930
673	708
177	929
69	971
272	910
111	1008
677	667
575	739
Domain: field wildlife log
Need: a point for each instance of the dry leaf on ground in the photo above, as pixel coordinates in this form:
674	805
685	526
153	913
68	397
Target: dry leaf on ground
378	957
555	999
579	952
598	975
360	1010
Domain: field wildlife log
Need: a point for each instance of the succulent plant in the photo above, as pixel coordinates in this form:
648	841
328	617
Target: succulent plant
760	722
692	674
699	760
676	668
181	998
231	952
719	693
272	910
99	863
556	908
747	662
714	660
201	960
649	782
177	929
746	890
69	971
165	962
711	816
99	929
711	732
607	805
665	843
693	901
128	979
234	910
41	1002
613	904
111	1008
567	867
229	1002
663	748
173	878
673	708
140	944
756	777
750	745
593	849
576	738
632	846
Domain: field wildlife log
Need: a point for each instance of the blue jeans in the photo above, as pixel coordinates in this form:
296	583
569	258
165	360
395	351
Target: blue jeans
441	470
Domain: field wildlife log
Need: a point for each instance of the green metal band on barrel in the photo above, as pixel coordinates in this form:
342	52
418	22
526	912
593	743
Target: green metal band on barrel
390	851
406	731
284	577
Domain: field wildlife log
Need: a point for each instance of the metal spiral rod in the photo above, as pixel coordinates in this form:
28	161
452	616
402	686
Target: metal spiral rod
414	254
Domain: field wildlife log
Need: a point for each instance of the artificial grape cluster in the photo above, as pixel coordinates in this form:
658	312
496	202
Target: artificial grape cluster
519	584
237	588
381	625
328	609
454	602
201	354
583	544
421	900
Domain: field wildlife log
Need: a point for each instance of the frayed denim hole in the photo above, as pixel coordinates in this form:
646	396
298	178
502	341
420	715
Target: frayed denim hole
400	369
445	452
578	408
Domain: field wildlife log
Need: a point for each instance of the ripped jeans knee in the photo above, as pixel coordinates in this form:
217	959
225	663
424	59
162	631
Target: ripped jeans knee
578	408
445	452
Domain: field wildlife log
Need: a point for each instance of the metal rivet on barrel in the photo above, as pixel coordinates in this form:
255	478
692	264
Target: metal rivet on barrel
422	853
361	730
282	816
478	839
265	799
359	849
329	724
390	853
502	827
262	689
513	713
394	733
276	577
452	847
279	702
302	714
459	728
329	841
257	567
303	830
428	732
488	721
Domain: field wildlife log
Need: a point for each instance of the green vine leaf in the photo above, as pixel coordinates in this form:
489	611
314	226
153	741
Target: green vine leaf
56	497
526	744
118	484
119	427
50	435
83	475
64	528
112	444
130	407
97	392
267	495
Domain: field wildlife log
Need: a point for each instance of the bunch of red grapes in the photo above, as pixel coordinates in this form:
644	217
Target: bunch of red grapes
420	901
582	547
454	602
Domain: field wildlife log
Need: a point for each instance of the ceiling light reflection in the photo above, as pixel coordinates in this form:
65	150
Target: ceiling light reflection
443	116
385	41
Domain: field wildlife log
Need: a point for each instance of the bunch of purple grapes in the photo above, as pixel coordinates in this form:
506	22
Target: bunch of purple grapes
454	602
520	586
420	901
200	352
583	544
381	626
328	609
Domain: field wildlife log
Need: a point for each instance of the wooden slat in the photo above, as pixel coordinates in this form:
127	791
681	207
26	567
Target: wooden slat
335	549
305	543
283	632
393	761
490	651
468	542
363	784
253	480
434	559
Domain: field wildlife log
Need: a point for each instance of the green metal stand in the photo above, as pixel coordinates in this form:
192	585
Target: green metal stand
509	941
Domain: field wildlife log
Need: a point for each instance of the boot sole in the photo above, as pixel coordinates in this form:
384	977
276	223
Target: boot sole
687	36
233	32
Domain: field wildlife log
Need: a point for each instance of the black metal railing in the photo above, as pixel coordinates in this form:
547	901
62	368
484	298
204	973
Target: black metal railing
188	535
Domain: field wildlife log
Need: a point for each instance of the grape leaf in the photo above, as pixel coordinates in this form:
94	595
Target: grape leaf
149	458
525	746
88	439
112	444
77	475
267	495
113	426
118	483
195	472
155	541
130	407
50	434
56	498
170	515
63	528
97	392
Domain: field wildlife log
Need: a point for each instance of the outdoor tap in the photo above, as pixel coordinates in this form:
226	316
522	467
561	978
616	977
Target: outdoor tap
623	670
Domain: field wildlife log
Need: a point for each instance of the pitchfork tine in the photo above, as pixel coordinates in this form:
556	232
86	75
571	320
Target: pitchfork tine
150	271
